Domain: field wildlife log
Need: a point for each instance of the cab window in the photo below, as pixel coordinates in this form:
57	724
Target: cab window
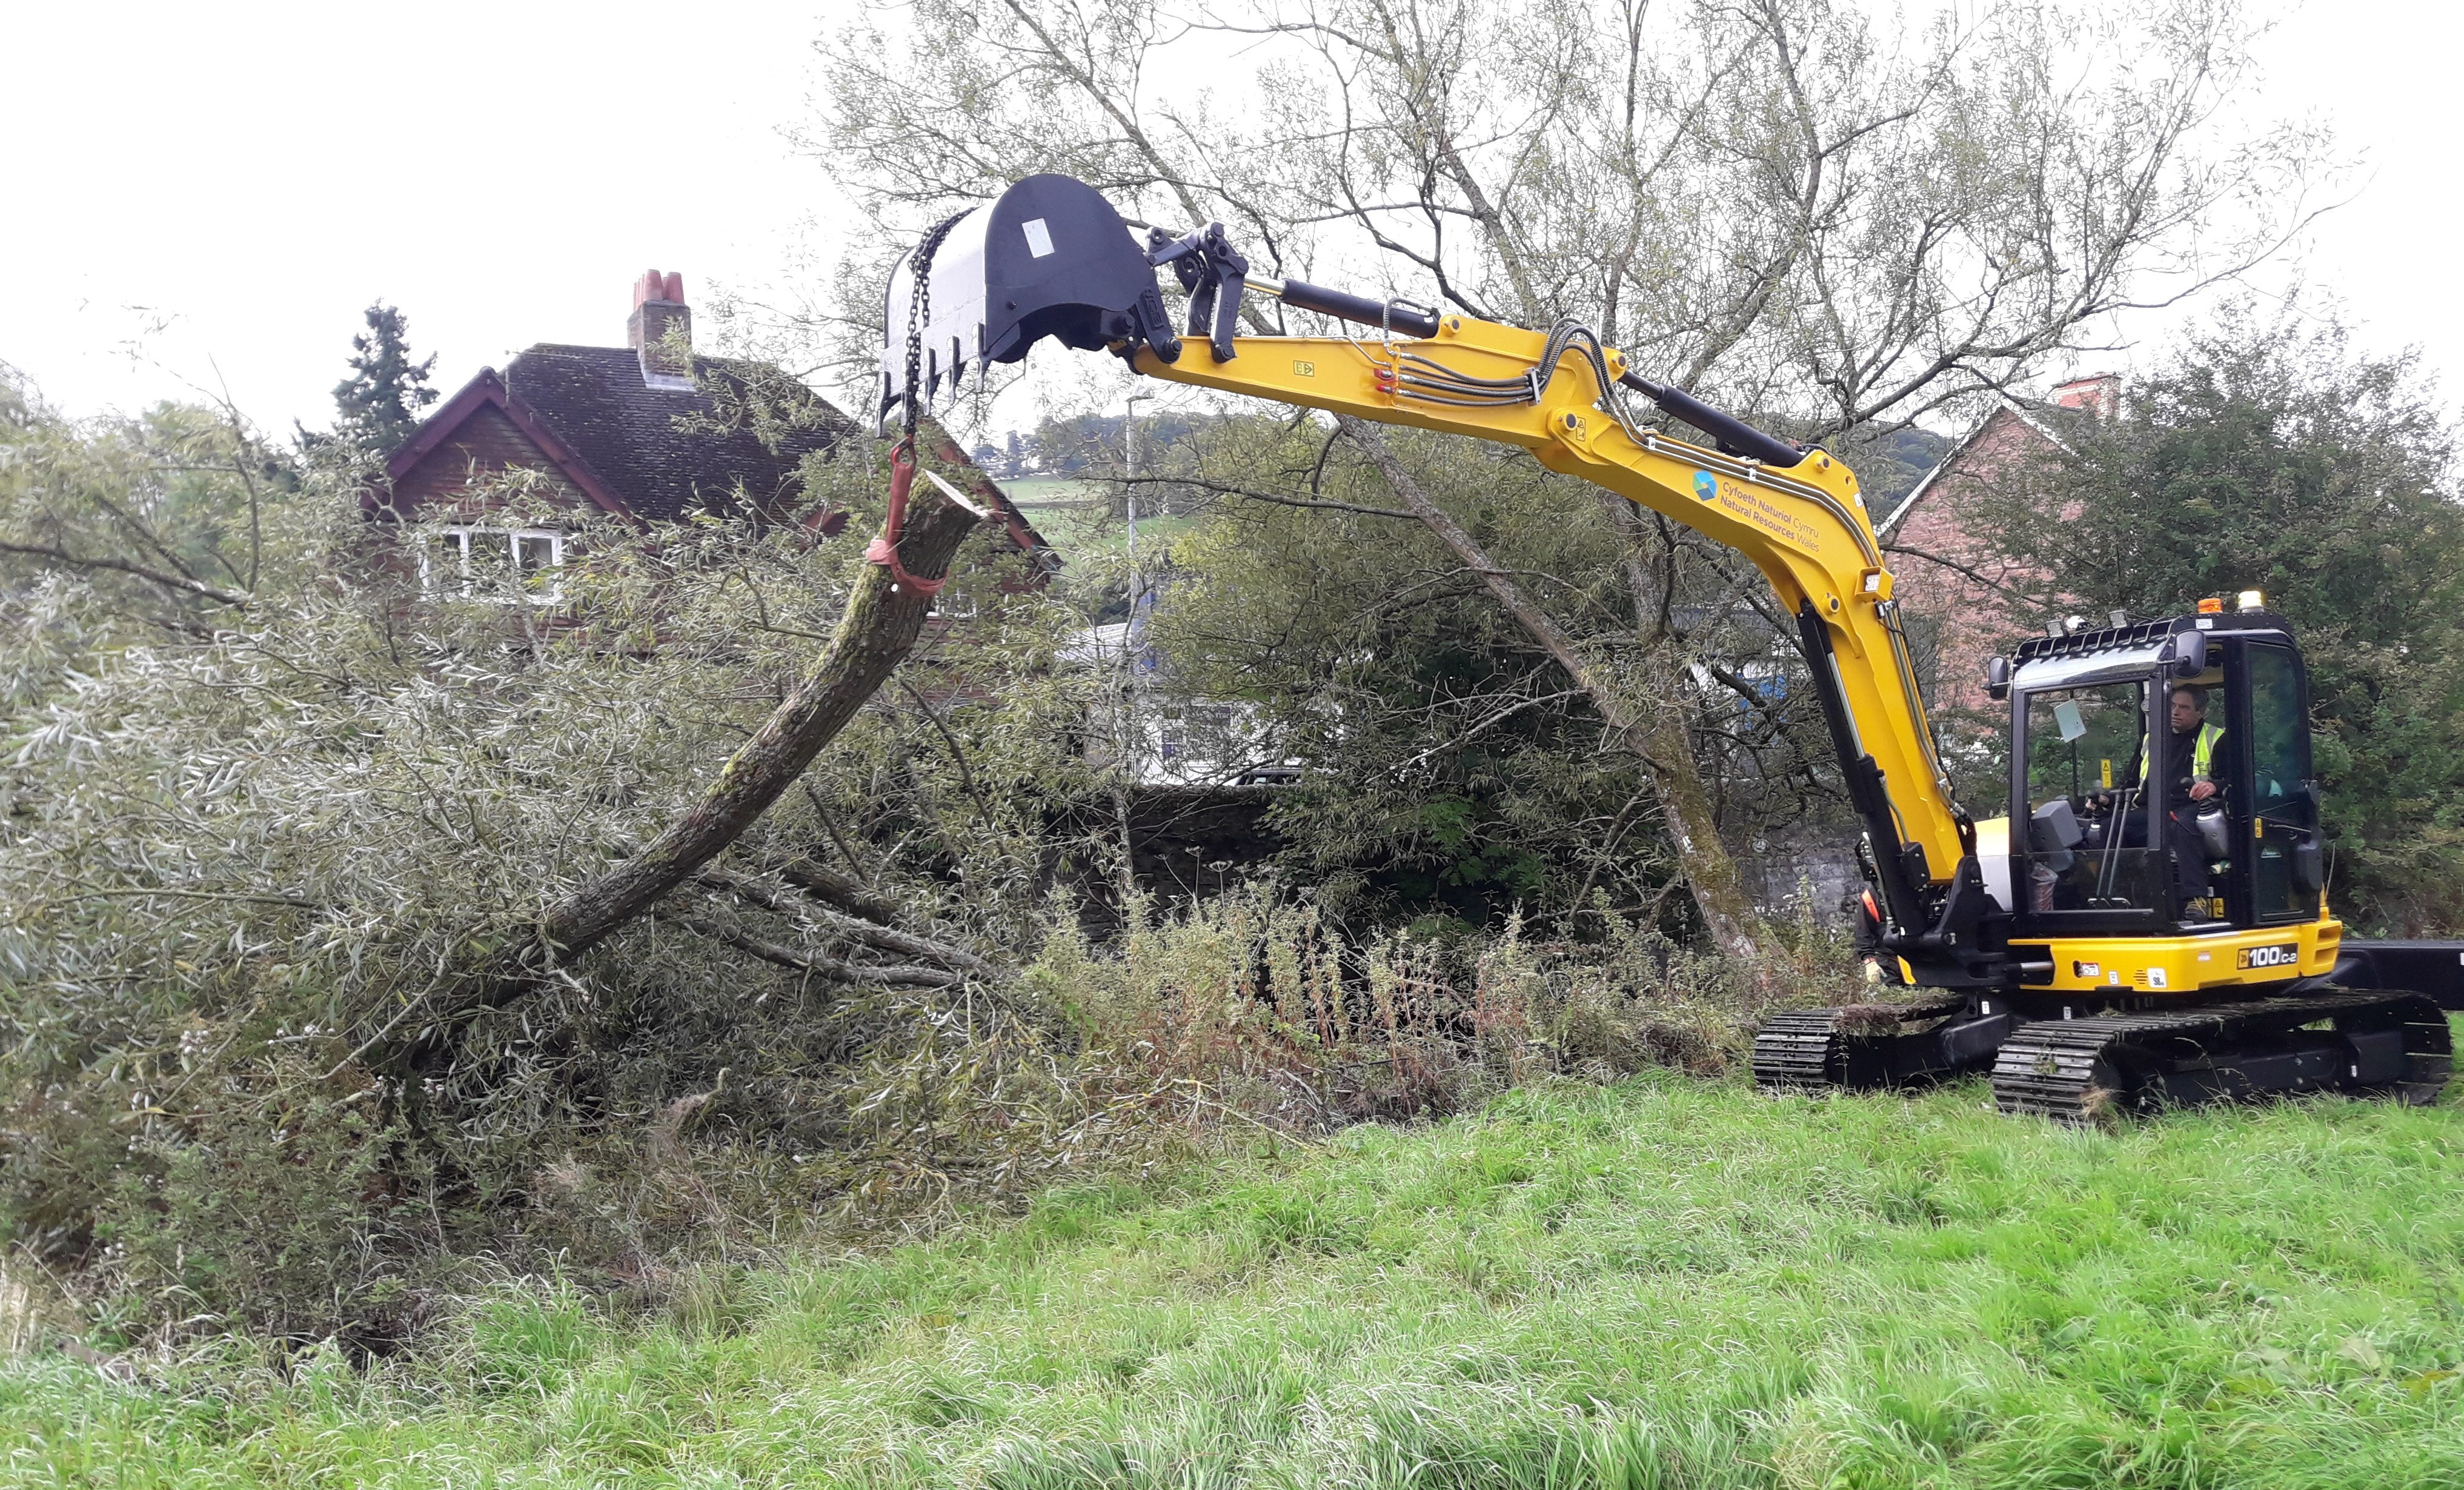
2285	816
2085	844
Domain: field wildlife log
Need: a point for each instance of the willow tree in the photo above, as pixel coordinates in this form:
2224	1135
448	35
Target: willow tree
1786	205
333	903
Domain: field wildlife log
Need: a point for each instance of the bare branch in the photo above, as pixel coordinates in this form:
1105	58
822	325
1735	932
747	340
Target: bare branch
151	575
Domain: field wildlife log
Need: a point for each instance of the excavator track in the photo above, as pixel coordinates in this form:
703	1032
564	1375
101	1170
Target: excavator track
2076	1070
1798	1052
1866	1047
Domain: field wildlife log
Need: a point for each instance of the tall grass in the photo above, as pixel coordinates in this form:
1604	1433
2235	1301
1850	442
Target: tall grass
1666	1281
1252	1007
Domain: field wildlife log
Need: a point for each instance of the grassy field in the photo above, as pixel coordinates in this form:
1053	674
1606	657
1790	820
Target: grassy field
1076	526
1667	1283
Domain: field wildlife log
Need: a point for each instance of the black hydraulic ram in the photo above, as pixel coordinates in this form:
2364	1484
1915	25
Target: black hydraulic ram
1732	435
1397	316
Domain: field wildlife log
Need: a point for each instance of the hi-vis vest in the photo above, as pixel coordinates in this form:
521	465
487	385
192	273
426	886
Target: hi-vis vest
2203	751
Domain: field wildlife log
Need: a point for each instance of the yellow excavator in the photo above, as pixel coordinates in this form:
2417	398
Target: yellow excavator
2155	933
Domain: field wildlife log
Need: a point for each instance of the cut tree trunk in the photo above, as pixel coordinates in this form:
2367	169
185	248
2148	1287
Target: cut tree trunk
873	635
1657	734
877	631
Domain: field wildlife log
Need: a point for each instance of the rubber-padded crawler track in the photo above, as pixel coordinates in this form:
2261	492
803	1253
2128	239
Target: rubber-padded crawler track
2073	1069
1798	1052
1868	1047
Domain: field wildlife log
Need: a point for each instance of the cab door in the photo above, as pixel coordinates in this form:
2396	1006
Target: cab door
2277	815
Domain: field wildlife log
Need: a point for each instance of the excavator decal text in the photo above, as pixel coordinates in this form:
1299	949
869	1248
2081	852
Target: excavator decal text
1763	513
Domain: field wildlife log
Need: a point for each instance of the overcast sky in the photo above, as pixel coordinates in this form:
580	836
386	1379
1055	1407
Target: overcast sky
250	176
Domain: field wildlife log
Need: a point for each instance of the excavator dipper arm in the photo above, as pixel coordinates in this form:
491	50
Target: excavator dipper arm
1796	515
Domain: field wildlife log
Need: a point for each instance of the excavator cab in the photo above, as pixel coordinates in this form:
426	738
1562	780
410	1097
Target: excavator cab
2164	880
2111	729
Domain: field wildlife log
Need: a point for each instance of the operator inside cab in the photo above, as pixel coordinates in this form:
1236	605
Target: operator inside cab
2196	745
2194	748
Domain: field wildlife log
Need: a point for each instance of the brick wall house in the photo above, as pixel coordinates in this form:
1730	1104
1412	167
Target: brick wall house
1969	604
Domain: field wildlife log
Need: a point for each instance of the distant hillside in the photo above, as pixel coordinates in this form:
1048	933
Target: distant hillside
1890	468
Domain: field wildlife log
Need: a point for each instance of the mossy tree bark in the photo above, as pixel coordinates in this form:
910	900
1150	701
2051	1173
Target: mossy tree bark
879	629
876	632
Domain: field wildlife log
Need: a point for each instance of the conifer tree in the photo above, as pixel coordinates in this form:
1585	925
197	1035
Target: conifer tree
379	405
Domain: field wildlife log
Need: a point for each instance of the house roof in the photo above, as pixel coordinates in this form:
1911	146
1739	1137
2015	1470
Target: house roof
650	454
488	390
672	452
2006	405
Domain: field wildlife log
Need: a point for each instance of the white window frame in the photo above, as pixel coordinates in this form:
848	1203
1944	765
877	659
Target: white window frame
960	606
465	536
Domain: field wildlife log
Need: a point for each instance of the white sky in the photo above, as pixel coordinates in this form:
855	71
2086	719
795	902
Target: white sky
257	173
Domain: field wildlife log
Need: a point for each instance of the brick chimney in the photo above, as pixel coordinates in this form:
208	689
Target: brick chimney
2100	395
659	312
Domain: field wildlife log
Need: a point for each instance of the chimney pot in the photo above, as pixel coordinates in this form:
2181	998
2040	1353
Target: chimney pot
660	318
2100	395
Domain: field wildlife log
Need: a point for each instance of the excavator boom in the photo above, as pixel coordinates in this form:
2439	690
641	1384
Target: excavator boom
2209	969
1803	526
1051	258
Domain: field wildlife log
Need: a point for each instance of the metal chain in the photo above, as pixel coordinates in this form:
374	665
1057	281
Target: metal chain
920	308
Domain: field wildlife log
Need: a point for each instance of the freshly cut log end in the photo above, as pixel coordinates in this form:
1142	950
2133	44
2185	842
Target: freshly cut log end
2377	1045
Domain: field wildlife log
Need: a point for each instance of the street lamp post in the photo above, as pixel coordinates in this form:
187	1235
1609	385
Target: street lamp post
1131	430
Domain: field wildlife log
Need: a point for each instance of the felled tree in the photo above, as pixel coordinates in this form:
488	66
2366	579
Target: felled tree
432	886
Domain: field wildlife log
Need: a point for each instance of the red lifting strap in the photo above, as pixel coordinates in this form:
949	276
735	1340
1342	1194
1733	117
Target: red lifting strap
884	549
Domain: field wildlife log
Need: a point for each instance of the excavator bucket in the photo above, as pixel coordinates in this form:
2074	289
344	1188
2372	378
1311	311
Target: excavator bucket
1048	257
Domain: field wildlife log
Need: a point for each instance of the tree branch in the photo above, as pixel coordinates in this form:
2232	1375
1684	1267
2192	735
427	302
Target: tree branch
168	581
786	956
881	938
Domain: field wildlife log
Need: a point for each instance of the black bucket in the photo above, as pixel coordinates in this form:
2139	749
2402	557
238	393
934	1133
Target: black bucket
1049	257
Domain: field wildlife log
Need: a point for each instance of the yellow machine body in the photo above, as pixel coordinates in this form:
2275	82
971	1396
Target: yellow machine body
2186	966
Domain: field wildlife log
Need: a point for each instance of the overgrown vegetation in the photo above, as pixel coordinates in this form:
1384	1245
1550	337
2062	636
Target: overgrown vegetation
258	844
1665	1283
276	795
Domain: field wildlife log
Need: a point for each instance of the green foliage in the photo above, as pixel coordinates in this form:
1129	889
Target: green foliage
269	1208
2273	457
1667	1283
167	516
382	402
1089	443
1454	774
1253	1006
243	860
